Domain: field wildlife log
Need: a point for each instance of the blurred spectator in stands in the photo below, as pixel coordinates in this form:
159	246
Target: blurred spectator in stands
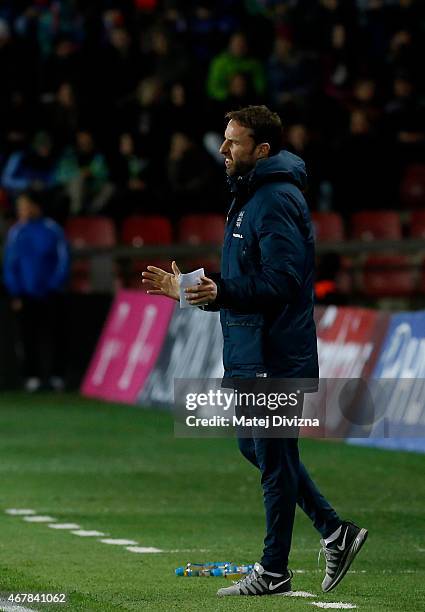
337	63
119	66
9	64
299	140
17	121
61	117
164	58
36	267
236	59
65	64
83	172
203	31
34	168
365	97
290	75
360	168
46	21
401	56
177	112
405	123
328	108
241	94
190	177
241	91
132	174
145	114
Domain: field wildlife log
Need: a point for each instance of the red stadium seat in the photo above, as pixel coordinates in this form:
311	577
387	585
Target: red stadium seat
376	225
87	232
417	224
90	231
139	230
201	229
412	188
388	276
327	226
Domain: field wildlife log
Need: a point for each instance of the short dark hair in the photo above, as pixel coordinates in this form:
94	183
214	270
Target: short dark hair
34	196
265	125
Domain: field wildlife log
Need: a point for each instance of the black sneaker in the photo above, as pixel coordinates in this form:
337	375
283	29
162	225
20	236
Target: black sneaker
340	553
259	582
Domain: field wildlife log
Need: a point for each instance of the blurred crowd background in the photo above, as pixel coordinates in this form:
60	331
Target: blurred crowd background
116	107
111	118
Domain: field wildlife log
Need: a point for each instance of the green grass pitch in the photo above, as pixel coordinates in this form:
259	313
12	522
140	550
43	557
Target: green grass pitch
119	470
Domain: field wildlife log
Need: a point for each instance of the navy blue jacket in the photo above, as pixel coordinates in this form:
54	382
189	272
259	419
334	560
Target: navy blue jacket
36	259
265	289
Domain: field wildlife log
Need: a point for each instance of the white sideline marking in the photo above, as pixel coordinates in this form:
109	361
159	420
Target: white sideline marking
298	594
39	519
119	542
144	549
84	533
6	606
180	550
64	526
19	511
339	605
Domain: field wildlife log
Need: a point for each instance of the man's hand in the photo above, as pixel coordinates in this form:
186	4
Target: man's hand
160	282
200	295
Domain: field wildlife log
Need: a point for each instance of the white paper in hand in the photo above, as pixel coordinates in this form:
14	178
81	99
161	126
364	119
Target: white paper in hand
189	280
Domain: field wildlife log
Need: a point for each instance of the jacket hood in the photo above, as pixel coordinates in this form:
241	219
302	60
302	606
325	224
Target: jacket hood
284	166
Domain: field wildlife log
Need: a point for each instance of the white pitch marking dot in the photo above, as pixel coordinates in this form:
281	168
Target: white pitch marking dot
119	542
39	519
19	511
144	549
84	533
64	526
334	605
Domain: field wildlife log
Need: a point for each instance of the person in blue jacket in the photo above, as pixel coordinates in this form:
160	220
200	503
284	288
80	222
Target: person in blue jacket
35	269
266	300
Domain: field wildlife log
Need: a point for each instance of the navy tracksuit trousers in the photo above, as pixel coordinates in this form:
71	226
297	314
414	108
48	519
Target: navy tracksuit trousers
285	483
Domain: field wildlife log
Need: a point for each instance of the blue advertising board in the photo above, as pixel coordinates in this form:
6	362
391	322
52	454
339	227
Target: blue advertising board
398	387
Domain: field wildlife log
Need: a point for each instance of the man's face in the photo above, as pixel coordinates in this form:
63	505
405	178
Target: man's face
26	209
239	149
85	142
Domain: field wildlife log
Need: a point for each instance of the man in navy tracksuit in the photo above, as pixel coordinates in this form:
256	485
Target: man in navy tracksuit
265	296
35	269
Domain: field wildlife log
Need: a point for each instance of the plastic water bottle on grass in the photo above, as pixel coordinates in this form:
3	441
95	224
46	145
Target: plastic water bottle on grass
233	571
201	569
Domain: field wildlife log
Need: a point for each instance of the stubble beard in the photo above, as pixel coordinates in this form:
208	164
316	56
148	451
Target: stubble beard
239	168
